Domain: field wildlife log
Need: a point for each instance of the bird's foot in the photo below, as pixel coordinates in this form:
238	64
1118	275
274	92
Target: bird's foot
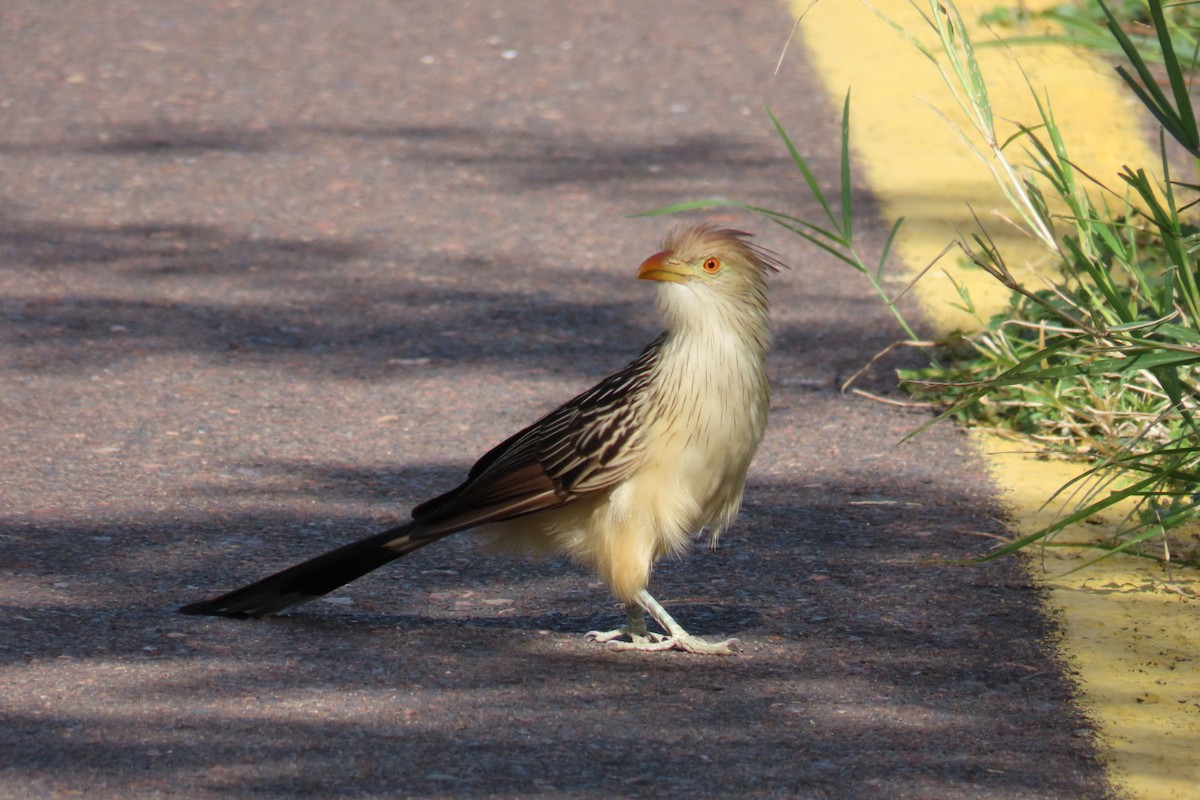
644	640
609	636
635	636
634	629
654	642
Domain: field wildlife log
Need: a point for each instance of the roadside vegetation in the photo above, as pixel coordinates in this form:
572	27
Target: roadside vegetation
1096	362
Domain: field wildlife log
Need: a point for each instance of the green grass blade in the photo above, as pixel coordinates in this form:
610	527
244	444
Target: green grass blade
1147	81
1175	77
887	248
802	165
846	188
1079	515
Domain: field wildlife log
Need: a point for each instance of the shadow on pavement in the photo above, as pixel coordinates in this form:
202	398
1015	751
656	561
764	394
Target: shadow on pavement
447	661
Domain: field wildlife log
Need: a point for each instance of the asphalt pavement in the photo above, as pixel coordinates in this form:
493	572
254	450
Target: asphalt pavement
272	273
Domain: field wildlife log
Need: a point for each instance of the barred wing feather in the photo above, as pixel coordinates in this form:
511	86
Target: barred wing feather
586	445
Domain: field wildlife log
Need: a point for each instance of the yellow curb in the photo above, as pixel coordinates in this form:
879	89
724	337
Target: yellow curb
1133	643
915	164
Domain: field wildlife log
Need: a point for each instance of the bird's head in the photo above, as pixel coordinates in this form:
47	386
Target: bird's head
719	258
706	270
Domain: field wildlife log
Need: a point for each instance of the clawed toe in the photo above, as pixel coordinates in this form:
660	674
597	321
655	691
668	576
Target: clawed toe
605	636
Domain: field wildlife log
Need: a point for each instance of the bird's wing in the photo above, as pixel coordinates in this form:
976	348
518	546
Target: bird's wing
586	445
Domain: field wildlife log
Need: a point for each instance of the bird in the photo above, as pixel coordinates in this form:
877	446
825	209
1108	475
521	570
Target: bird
621	475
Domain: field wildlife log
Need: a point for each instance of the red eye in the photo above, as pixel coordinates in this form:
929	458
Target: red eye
711	265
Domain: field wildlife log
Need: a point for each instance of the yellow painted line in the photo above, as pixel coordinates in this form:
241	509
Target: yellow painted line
1133	643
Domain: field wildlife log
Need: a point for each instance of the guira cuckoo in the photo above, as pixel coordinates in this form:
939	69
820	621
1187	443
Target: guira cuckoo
621	475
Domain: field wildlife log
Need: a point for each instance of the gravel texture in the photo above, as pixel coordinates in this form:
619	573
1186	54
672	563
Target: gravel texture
271	273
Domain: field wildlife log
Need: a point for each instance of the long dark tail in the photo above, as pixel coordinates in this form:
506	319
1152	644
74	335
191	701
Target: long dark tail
311	579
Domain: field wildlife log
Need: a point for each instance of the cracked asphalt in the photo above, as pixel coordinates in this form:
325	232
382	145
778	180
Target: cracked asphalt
270	274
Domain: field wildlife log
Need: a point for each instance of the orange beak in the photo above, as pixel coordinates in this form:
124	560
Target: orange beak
659	267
